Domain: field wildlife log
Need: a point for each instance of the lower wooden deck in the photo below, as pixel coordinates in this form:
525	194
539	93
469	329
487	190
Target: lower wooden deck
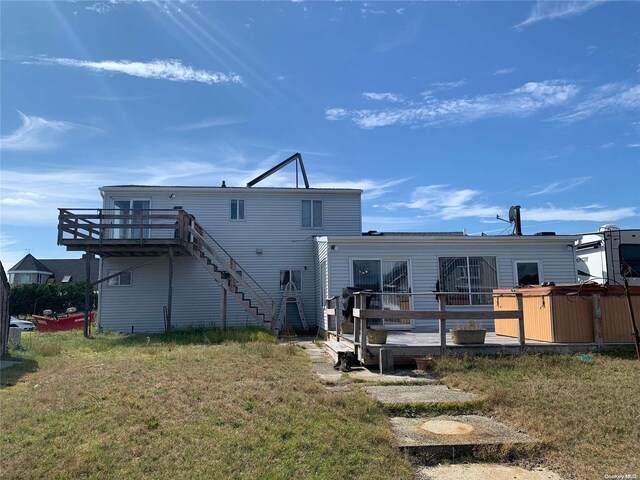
407	345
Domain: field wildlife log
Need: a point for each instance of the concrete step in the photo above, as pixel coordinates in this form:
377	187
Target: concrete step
414	395
431	439
484	471
333	348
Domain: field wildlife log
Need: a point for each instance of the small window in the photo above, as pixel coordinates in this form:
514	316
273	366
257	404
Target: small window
120	280
528	273
66	279
312	213
630	260
237	209
292	278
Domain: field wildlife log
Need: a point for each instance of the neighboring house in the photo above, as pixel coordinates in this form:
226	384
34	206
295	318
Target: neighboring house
398	263
608	256
64	270
167	251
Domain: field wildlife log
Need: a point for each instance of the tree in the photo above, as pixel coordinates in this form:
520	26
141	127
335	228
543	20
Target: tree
34	298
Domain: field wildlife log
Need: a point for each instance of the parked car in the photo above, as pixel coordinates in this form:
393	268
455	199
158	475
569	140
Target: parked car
23	325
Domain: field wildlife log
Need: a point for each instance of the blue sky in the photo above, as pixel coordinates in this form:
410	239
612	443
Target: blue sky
444	113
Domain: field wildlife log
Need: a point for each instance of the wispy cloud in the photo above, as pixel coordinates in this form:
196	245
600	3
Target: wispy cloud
207	123
520	102
560	186
37	134
443	86
608	98
445	202
589	213
389	97
372	189
169	69
553	10
504	71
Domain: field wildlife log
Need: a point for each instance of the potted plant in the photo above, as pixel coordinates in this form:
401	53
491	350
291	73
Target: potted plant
377	335
469	333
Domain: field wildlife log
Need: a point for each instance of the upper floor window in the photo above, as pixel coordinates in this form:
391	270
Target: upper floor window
312	213
237	209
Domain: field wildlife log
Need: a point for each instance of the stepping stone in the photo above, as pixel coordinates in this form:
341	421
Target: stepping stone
483	471
415	394
453	436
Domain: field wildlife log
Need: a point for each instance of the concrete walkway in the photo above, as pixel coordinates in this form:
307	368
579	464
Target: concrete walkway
445	437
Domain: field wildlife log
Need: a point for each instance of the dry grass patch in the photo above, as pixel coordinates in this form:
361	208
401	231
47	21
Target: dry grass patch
584	409
191	405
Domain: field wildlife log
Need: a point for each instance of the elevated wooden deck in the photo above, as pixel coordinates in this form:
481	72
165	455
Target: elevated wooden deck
105	232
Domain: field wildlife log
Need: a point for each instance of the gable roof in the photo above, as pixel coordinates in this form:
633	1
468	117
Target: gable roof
29	264
74	267
58	268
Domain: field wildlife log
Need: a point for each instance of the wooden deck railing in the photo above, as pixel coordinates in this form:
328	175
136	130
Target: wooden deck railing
362	315
97	226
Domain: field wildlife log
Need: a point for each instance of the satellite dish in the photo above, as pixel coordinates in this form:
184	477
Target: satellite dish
512	214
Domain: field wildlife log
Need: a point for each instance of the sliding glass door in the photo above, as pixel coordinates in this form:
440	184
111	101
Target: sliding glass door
136	213
388	278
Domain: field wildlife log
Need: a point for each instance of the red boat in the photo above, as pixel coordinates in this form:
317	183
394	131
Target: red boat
61	323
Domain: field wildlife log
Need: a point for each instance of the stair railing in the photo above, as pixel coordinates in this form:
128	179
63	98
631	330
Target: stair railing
200	238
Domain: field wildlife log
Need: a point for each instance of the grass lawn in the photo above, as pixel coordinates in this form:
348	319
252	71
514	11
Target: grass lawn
587	412
191	405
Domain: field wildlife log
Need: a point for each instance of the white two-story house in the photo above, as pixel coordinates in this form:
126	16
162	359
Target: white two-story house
174	257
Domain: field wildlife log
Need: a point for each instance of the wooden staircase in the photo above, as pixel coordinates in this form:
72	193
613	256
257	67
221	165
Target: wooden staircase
230	275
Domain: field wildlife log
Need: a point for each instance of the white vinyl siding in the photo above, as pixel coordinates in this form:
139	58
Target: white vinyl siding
272	226
555	258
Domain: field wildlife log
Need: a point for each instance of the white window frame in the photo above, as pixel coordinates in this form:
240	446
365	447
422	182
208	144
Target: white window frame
118	278
311	227
515	270
128	226
290	277
410	325
244	209
468	292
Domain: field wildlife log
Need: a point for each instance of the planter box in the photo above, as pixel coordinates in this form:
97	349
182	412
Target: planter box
468	337
377	336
